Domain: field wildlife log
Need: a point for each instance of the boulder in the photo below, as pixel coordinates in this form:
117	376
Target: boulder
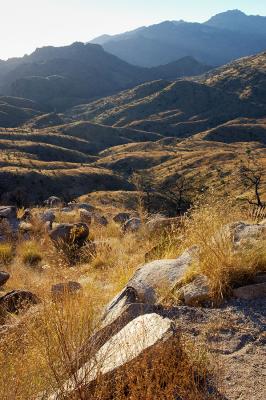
27	216
70	234
48	216
250	292
260	278
151	280
18	300
132	225
242	232
121	218
61	289
85	206
139	335
53	201
9	214
4	276
99	219
85	216
160	223
196	292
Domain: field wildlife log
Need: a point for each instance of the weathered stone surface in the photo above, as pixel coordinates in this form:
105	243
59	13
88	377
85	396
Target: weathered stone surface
100	219
129	343
48	216
250	292
61	289
260	278
121	218
242	232
160	223
9	214
27	216
196	292
85	206
150	280
54	201
70	234
18	300
132	225
4	276
85	216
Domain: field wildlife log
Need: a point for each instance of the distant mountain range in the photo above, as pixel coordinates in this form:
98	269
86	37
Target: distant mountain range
61	77
225	37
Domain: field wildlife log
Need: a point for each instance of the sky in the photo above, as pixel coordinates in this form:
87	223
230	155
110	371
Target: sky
28	24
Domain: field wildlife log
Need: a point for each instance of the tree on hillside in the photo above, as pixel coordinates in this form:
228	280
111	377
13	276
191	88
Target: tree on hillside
252	176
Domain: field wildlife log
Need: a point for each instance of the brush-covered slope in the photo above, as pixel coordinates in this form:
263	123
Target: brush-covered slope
218	41
238	130
245	77
186	107
180	109
15	111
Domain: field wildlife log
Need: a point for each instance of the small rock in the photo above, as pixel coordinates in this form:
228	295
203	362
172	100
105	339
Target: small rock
250	292
53	201
70	234
85	216
160	223
9	215
61	289
260	278
100	219
48	216
4	276
196	292
18	300
132	225
27	216
85	206
121	218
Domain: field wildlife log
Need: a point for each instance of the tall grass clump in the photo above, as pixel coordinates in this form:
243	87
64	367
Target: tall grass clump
225	265
6	253
30	253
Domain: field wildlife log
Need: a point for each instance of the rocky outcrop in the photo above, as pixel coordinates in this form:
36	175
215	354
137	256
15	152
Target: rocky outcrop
17	300
196	292
4	276
60	290
132	225
121	218
8	214
162	223
70	234
251	292
130	342
53	201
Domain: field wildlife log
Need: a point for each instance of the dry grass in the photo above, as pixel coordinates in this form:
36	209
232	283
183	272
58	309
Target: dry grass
6	253
52	333
30	253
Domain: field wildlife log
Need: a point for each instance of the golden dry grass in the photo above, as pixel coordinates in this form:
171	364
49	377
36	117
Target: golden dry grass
44	342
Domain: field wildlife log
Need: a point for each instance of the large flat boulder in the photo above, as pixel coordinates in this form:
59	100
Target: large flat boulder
141	334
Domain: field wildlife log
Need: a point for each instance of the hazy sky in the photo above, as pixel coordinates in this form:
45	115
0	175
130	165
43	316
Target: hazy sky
27	24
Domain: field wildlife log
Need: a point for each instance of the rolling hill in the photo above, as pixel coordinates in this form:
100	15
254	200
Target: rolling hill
61	77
